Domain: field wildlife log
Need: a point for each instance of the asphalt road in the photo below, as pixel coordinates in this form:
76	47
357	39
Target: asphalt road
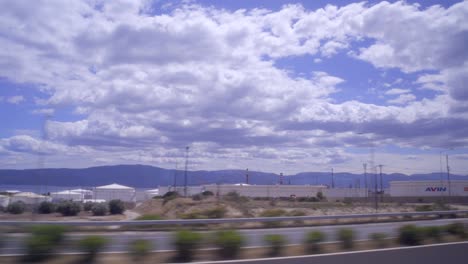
432	254
254	237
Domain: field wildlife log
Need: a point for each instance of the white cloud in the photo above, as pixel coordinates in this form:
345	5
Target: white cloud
394	91
15	99
402	99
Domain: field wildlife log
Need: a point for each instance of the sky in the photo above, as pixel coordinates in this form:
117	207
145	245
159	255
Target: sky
274	86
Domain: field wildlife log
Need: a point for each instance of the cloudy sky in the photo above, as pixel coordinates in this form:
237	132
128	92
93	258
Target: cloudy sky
277	86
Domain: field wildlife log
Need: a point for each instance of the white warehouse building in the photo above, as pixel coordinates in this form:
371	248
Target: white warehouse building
428	188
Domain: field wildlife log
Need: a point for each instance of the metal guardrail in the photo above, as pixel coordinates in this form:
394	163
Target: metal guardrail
226	220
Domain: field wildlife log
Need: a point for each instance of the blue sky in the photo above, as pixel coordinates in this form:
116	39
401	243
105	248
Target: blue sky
275	86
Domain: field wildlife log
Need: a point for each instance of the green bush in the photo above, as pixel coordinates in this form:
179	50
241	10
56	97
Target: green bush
217	212
276	244
140	248
186	242
229	243
17	207
235	197
116	207
99	209
456	229
312	241
379	239
410	235
42	242
320	196
207	193
432	232
46	207
169	196
92	245
346	236
69	208
272	213
296	213
88	206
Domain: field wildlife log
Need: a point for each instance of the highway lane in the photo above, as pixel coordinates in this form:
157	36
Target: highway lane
453	253
254	237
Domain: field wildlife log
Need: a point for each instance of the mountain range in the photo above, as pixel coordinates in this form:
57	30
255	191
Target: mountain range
143	176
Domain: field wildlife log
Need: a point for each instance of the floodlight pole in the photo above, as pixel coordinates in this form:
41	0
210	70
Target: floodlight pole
185	172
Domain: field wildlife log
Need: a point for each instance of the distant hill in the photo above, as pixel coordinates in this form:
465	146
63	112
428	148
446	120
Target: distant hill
142	176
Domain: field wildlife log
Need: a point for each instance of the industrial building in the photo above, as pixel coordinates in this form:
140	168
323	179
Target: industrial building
115	191
428	188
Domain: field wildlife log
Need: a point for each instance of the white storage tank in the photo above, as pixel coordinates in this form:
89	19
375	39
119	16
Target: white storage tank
29	198
115	191
67	195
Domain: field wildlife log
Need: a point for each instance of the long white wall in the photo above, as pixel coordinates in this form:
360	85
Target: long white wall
428	188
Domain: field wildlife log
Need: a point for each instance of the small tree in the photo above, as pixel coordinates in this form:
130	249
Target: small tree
116	207
17	207
346	236
69	208
46	207
139	249
229	243
312	241
99	209
92	245
276	244
186	242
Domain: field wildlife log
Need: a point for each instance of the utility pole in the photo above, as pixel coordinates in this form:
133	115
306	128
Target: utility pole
175	177
381	183
375	193
281	179
247	176
185	173
365	177
333	179
448	176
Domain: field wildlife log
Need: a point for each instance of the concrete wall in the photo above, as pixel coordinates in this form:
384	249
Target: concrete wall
266	190
428	188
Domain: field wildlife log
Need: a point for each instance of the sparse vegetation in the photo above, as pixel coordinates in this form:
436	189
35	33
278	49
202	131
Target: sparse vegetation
320	196
423	208
276	244
229	243
169	196
17	207
312	241
235	197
